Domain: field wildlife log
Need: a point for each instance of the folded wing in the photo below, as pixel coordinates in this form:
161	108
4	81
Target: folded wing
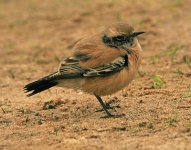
70	68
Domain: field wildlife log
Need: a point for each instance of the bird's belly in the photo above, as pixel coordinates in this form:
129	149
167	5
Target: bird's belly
110	84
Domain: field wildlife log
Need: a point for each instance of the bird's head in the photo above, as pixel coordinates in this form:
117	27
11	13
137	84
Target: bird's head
121	36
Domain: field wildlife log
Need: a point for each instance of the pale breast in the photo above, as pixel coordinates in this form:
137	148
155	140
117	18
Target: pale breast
110	84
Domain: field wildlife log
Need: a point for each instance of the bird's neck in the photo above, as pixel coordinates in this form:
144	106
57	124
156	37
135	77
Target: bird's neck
135	56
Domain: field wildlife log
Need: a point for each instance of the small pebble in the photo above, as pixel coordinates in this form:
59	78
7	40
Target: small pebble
36	113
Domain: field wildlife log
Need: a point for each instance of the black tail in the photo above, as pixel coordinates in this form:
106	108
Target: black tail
41	85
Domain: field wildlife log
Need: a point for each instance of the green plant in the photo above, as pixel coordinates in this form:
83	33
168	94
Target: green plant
171	121
157	82
179	72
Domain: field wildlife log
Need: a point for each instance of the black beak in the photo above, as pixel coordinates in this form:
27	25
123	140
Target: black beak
136	34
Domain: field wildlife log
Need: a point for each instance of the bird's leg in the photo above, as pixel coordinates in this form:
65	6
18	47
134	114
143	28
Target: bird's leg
104	106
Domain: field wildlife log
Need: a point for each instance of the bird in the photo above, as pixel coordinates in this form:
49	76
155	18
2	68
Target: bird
100	64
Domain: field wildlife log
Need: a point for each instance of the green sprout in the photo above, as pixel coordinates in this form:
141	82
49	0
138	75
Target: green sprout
157	82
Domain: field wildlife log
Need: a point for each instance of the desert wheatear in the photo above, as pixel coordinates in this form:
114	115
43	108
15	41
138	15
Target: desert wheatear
101	64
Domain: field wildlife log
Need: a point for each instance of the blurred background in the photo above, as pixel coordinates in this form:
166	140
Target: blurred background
36	35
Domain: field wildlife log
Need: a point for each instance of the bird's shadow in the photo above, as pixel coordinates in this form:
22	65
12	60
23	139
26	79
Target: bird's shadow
114	116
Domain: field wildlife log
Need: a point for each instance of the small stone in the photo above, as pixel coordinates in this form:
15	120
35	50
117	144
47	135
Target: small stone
55	118
142	124
39	121
48	106
36	113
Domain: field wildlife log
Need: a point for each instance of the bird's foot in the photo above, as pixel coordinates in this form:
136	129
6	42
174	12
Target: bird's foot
108	106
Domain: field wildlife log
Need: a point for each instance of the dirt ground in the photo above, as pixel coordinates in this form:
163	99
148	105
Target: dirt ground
36	35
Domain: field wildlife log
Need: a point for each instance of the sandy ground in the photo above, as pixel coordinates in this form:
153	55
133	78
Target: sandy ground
36	35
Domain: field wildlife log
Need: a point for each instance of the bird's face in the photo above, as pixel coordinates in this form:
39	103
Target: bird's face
120	36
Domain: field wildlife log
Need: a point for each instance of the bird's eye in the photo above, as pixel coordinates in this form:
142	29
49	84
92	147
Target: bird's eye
119	38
